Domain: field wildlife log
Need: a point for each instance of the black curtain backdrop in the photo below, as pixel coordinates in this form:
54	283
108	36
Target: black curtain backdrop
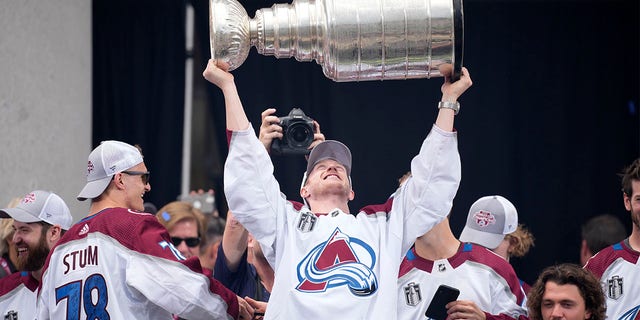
551	119
138	84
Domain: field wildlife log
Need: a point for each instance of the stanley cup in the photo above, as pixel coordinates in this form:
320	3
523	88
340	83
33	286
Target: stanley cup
353	40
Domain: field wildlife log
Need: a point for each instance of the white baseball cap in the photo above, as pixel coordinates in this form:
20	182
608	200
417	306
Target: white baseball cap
490	218
107	159
40	205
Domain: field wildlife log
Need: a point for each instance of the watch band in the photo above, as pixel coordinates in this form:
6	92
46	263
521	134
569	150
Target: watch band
455	106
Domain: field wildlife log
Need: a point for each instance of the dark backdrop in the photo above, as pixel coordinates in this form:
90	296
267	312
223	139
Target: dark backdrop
551	119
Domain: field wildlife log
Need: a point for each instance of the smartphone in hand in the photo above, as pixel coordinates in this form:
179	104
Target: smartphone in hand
444	294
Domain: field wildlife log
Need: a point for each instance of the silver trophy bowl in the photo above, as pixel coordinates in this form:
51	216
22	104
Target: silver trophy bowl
353	40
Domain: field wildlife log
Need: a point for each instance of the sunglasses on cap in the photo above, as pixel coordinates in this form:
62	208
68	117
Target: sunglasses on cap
145	175
191	242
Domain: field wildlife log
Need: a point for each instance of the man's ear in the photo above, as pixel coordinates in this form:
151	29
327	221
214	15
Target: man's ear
352	194
585	253
587	314
54	234
304	193
118	181
627	201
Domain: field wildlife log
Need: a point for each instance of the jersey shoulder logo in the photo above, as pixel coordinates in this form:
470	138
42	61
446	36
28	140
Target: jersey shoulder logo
339	261
164	245
412	295
11	315
306	222
615	288
84	230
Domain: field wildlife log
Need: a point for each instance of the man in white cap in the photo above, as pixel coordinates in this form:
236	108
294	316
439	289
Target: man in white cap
490	220
39	220
330	263
119	262
488	286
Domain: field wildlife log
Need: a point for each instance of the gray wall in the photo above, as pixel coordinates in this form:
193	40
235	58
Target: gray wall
45	98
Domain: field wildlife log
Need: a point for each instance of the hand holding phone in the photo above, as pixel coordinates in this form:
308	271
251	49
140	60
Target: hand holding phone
437	308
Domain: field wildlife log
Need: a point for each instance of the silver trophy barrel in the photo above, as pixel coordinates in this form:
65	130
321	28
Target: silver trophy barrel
355	40
388	39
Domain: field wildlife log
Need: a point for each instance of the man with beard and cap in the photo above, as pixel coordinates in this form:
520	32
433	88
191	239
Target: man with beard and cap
119	262
40	220
618	266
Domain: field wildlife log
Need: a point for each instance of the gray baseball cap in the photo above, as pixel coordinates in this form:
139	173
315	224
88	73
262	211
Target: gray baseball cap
490	218
40	205
330	149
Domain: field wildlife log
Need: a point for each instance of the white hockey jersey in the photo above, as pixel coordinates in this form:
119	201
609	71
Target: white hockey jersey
481	276
618	268
337	265
18	296
120	264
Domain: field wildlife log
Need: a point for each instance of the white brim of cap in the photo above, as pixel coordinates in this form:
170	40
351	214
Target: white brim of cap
18	215
93	189
485	239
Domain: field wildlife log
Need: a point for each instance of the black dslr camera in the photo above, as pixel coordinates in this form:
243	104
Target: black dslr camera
297	134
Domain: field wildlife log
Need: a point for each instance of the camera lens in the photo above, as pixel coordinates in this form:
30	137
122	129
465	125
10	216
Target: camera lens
300	135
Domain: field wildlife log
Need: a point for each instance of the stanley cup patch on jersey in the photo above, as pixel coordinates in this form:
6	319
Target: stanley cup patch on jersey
307	221
615	289
11	315
412	294
339	261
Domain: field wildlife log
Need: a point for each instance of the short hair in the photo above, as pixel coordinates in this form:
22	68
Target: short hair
6	228
630	173
602	231
568	274
214	230
520	241
177	211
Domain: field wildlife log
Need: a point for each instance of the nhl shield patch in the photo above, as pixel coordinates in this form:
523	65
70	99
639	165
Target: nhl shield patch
412	294
307	221
615	287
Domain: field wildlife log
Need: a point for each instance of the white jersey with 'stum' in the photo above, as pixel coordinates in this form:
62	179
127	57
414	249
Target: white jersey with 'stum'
618	268
18	294
336	265
120	264
481	276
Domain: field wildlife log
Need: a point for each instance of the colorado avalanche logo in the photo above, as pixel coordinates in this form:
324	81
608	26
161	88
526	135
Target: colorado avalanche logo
632	314
484	218
340	261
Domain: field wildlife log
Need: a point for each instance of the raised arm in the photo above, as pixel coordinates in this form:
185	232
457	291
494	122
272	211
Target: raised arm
450	94
234	242
216	73
427	197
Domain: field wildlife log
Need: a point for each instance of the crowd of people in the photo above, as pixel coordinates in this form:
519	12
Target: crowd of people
278	258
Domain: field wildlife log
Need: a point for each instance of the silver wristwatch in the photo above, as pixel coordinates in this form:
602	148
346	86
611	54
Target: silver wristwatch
455	106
